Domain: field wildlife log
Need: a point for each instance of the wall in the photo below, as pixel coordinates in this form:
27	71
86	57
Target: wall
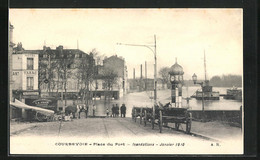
231	116
17	72
116	64
20	71
30	73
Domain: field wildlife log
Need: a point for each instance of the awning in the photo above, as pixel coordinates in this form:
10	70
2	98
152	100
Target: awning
20	104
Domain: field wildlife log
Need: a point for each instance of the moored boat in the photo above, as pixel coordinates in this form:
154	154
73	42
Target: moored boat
208	93
234	93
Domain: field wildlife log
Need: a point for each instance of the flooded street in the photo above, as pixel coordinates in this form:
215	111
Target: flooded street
142	99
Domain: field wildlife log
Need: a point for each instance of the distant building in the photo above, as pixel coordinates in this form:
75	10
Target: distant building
119	88
136	85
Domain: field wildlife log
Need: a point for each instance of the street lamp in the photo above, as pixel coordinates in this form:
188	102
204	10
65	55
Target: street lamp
153	49
194	78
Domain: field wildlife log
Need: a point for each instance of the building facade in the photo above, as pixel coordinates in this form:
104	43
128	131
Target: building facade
118	66
25	75
64	73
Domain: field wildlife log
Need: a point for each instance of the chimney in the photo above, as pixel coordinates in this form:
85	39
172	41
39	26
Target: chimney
134	74
145	75
59	48
141	72
11	27
145	70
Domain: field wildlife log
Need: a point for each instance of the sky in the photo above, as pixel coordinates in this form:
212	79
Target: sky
180	33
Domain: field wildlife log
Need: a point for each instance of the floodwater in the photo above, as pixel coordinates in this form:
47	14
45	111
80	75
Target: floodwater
144	99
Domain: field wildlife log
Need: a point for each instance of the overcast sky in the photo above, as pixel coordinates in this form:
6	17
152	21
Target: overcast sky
181	33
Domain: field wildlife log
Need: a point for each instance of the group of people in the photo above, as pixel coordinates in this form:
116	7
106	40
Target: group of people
115	110
75	110
84	108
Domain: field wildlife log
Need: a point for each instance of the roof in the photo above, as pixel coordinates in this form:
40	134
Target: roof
176	69
52	51
113	57
27	52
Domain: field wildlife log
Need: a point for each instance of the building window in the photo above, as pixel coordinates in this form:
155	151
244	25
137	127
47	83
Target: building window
30	63
29	83
103	85
97	84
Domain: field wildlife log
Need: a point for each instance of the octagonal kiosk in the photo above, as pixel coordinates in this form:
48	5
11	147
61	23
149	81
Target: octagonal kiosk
176	78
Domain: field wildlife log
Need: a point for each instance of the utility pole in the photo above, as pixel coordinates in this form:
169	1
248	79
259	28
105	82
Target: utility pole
63	107
155	72
205	66
48	74
153	49
145	76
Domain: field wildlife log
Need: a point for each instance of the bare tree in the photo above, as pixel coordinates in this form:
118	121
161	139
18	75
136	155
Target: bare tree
164	74
47	69
84	74
110	78
64	64
97	56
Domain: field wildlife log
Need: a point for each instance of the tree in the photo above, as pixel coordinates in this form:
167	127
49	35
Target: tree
226	81
47	69
164	74
97	68
84	74
97	56
216	81
64	65
109	78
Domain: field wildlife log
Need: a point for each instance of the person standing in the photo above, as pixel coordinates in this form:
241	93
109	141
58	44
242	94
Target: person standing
78	111
94	110
113	111
107	110
86	110
123	110
117	110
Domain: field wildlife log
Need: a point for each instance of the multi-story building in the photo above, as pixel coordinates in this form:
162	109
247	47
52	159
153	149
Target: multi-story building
117	64
25	75
112	67
65	71
24	84
10	52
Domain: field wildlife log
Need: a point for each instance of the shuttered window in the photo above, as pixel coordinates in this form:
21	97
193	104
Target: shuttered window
29	83
30	63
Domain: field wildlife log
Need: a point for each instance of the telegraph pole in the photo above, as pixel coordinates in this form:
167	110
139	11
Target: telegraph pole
153	49
155	72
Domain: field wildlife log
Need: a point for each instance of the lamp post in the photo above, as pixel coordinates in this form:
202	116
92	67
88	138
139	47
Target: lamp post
153	49
194	78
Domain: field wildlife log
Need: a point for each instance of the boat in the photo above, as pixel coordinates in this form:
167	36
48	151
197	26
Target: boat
207	90
208	93
234	93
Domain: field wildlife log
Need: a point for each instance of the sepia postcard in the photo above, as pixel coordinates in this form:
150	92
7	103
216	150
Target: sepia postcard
126	81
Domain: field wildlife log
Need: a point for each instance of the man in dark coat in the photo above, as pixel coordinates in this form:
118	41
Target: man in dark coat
113	111
117	110
86	110
123	110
